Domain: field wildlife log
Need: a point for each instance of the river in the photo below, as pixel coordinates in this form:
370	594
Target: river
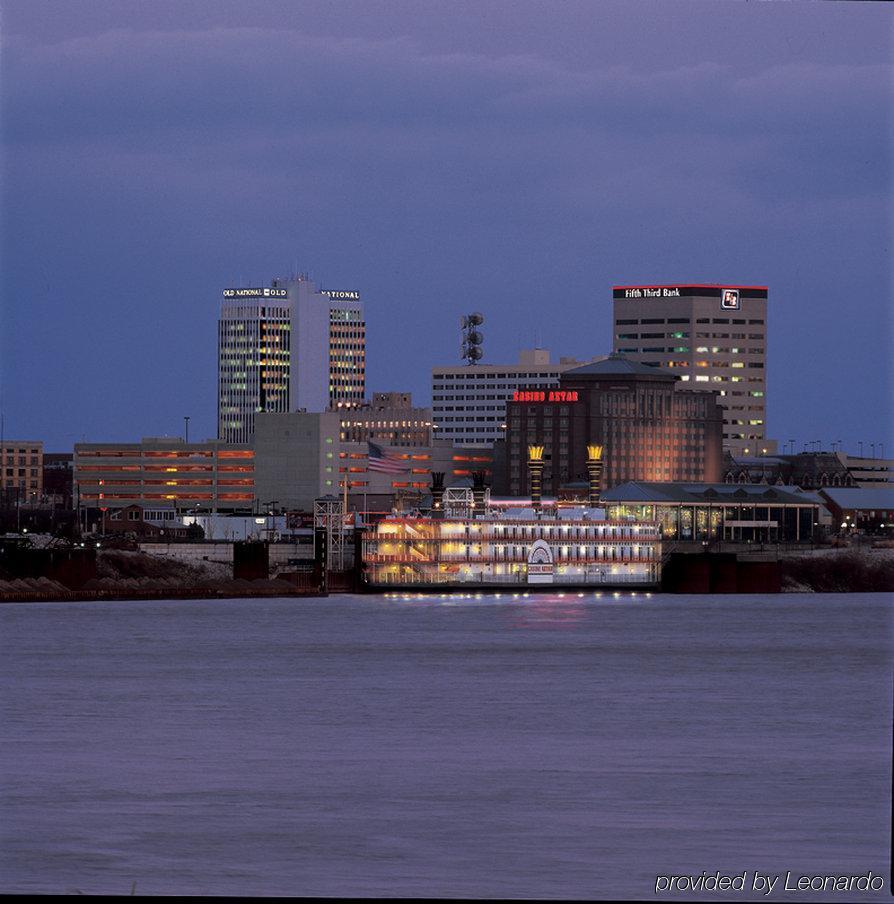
551	745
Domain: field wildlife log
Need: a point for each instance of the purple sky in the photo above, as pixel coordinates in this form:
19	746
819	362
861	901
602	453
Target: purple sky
513	158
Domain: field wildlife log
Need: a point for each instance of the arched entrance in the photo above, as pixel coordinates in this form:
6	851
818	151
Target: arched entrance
540	563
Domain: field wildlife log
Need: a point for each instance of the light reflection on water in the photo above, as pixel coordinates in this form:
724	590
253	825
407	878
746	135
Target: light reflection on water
557	744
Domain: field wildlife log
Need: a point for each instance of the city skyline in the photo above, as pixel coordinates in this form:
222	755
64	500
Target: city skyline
495	160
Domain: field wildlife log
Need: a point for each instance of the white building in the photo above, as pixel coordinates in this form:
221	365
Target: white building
287	347
469	402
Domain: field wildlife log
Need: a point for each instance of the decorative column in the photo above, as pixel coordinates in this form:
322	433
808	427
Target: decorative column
594	472
535	473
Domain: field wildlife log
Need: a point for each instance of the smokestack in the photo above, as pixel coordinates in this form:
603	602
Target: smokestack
594	472
535	472
478	491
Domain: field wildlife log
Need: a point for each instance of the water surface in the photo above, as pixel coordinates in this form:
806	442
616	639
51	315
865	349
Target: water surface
543	746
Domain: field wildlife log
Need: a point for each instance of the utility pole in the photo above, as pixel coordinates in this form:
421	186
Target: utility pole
186	430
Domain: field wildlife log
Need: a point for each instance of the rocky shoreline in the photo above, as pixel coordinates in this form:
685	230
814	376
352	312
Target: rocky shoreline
838	571
131	575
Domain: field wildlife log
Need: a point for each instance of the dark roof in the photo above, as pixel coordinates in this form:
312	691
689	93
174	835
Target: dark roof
618	365
640	491
860	497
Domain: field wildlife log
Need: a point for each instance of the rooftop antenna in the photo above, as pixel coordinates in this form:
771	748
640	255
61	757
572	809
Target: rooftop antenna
471	337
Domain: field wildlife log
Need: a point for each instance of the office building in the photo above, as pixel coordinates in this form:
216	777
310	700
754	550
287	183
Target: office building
21	471
287	347
469	402
390	418
711	336
165	473
648	425
297	458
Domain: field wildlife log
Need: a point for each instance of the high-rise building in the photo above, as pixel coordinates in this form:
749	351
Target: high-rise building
713	337
287	347
469	402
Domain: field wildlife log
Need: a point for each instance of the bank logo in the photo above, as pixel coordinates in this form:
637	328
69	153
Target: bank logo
729	299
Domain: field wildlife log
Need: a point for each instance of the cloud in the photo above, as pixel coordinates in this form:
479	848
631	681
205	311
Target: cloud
173	161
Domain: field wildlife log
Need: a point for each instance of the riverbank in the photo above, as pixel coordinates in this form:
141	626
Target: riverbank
130	575
838	571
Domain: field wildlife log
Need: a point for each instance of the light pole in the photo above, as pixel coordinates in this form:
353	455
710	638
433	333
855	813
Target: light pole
186	429
272	504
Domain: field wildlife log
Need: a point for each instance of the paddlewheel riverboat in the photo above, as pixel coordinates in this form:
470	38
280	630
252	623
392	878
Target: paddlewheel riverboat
510	543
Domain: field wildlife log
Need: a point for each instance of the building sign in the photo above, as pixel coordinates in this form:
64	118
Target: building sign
696	291
340	296
256	293
543	395
645	292
729	299
541	568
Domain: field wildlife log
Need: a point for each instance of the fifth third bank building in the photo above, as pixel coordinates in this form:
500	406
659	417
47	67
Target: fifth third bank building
713	337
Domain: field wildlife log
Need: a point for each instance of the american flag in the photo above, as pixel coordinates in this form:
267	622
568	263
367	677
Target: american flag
380	460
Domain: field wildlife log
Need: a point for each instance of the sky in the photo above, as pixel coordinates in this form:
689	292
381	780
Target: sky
516	159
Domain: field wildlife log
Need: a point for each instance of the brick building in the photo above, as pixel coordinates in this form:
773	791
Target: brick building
21	471
649	428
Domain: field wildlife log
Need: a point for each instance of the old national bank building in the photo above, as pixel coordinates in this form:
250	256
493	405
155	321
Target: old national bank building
649	428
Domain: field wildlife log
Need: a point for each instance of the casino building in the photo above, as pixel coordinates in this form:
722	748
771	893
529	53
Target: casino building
713	337
286	347
650	424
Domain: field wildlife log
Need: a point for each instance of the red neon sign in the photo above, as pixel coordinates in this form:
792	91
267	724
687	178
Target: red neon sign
541	395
